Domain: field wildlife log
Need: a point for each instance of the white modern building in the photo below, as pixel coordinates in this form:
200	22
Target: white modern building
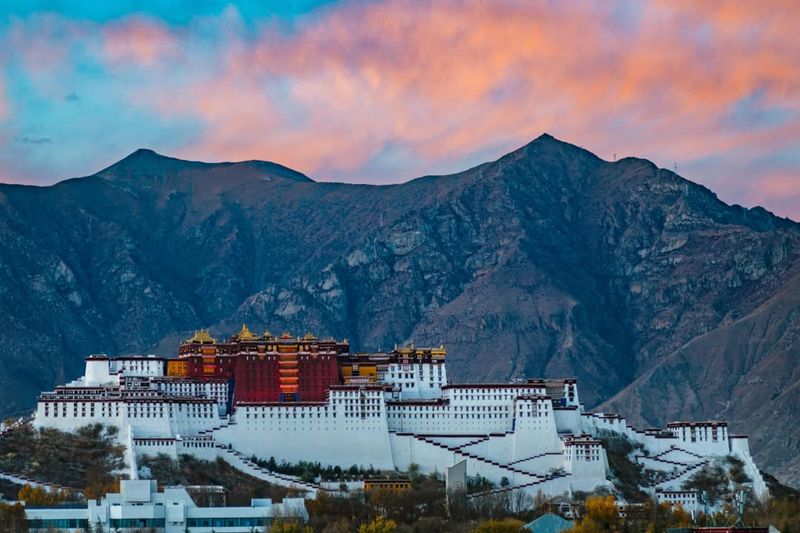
139	506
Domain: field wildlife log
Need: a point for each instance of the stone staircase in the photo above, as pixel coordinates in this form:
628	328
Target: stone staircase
471	443
246	465
679	475
680	470
23	480
241	462
210	431
532	457
664	461
459	451
17	423
522	486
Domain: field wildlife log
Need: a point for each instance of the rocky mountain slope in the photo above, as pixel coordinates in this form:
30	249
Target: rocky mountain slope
665	302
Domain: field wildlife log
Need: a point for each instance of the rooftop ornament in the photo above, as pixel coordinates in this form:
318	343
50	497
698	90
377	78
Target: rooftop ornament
202	337
245	334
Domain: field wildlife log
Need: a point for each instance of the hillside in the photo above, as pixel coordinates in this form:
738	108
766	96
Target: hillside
664	301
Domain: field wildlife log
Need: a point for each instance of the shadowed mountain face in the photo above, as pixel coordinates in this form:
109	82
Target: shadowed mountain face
663	301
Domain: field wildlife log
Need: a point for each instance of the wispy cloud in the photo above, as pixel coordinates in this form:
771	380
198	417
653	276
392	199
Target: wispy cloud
3	104
35	140
385	91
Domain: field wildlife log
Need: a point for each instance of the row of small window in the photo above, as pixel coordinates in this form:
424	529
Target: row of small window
410	375
228	522
310	410
193	386
449	415
136	407
82	414
288	415
359	400
588	457
702	435
311	415
456	409
533	414
60	523
476	394
129	411
136	522
116	413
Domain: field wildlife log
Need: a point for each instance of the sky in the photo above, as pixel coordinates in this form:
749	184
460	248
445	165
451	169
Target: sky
385	91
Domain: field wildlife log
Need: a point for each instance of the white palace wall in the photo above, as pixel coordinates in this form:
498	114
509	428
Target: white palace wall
349	429
512	431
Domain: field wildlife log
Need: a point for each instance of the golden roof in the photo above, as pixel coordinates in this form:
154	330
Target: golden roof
267	335
245	334
201	336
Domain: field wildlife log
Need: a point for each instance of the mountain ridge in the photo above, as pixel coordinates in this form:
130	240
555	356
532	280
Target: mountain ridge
546	262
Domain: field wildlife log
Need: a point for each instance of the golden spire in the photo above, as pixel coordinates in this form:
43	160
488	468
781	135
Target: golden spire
201	336
245	334
267	335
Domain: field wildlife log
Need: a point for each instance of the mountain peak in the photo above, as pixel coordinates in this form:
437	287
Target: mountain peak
144	152
545	137
142	160
547	141
147	163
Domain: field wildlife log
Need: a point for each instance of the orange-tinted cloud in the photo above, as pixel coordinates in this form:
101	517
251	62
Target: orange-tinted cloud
779	189
444	82
137	41
389	90
3	104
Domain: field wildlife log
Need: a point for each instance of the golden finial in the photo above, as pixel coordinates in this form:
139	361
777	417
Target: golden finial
201	336
245	334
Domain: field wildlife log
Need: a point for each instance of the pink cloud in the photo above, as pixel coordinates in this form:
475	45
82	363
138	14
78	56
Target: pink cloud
443	82
3	101
43	41
779	189
137	41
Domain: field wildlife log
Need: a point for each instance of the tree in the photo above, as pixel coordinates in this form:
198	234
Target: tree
379	525
288	526
12	518
38	496
602	516
413	471
507	525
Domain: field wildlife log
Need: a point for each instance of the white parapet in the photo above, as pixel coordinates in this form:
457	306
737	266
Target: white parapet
534	435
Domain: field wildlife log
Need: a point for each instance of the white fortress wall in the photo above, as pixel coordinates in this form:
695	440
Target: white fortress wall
349	429
524	432
740	447
568	419
417	380
534	427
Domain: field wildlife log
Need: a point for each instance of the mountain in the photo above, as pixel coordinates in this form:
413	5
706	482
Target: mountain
663	301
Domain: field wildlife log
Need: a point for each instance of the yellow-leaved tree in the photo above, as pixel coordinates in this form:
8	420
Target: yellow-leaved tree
379	525
508	525
288	526
602	516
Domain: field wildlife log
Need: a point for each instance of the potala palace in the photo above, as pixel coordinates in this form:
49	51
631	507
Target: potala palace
308	399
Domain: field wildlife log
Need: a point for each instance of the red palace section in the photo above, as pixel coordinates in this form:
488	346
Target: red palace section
264	368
